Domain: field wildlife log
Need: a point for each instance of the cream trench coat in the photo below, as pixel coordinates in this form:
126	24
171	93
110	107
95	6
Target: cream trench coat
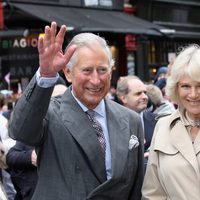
173	170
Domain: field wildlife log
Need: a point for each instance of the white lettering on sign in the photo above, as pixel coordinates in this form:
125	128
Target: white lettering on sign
19	43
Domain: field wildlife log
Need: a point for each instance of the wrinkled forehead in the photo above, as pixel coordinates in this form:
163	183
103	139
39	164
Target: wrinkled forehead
91	51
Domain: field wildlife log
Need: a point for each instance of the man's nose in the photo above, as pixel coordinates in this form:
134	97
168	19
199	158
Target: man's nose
95	77
144	95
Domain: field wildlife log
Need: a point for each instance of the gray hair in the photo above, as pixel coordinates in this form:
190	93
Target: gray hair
88	40
155	94
122	85
186	63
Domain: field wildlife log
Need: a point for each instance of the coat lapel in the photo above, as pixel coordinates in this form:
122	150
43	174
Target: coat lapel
79	126
75	119
119	140
182	142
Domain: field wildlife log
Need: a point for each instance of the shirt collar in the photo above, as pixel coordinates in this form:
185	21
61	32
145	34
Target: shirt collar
100	109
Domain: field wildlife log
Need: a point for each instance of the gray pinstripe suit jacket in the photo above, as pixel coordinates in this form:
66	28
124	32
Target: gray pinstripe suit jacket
69	163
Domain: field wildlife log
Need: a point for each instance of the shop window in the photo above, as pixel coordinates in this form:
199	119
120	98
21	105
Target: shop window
176	13
164	52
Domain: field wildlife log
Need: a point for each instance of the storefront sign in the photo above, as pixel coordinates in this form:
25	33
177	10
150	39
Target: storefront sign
19	56
130	42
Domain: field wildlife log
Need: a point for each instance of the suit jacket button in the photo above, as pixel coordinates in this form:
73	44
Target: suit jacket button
77	169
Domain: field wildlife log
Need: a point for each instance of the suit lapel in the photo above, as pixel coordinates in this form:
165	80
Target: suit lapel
79	126
119	139
182	142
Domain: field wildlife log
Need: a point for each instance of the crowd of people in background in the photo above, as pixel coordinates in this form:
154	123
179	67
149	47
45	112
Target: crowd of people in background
147	99
165	110
18	161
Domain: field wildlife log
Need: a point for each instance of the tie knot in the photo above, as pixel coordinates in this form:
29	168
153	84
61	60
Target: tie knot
91	113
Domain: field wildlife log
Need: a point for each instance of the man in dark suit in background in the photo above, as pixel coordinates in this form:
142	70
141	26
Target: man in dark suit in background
22	162
132	93
72	164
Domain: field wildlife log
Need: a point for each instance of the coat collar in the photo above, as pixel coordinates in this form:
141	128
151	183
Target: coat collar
180	140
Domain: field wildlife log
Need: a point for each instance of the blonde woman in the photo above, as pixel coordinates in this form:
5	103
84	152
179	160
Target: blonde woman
173	170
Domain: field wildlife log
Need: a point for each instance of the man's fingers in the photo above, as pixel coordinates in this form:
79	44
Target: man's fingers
53	31
47	36
60	36
70	51
50	37
40	44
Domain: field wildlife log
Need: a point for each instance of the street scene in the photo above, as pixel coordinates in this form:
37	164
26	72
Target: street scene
99	100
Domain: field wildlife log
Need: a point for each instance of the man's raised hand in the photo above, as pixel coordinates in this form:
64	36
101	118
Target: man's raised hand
51	56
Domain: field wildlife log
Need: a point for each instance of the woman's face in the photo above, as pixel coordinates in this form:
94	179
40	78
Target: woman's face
189	96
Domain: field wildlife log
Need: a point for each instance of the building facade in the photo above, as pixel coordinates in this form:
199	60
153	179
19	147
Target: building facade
22	22
181	20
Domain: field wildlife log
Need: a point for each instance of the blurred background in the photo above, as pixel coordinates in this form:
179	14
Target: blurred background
143	34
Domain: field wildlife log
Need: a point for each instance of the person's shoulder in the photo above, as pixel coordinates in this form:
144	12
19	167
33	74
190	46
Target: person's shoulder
163	117
163	120
168	120
162	134
118	108
149	114
113	105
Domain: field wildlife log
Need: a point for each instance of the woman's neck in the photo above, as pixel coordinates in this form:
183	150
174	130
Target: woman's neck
193	120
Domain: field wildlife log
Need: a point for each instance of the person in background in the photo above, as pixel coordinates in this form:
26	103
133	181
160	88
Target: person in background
21	160
83	152
160	105
3	165
132	93
22	164
173	170
111	93
7	143
59	89
161	78
161	74
2	103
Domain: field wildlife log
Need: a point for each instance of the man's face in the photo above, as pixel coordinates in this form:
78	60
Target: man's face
90	76
136	99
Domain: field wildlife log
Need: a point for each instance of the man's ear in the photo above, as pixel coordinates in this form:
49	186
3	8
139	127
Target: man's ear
123	99
110	74
111	71
67	74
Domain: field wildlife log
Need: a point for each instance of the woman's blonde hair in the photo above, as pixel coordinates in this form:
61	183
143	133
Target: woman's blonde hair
186	63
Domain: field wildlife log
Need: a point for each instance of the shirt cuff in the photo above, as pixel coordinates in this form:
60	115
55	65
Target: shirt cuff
46	82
